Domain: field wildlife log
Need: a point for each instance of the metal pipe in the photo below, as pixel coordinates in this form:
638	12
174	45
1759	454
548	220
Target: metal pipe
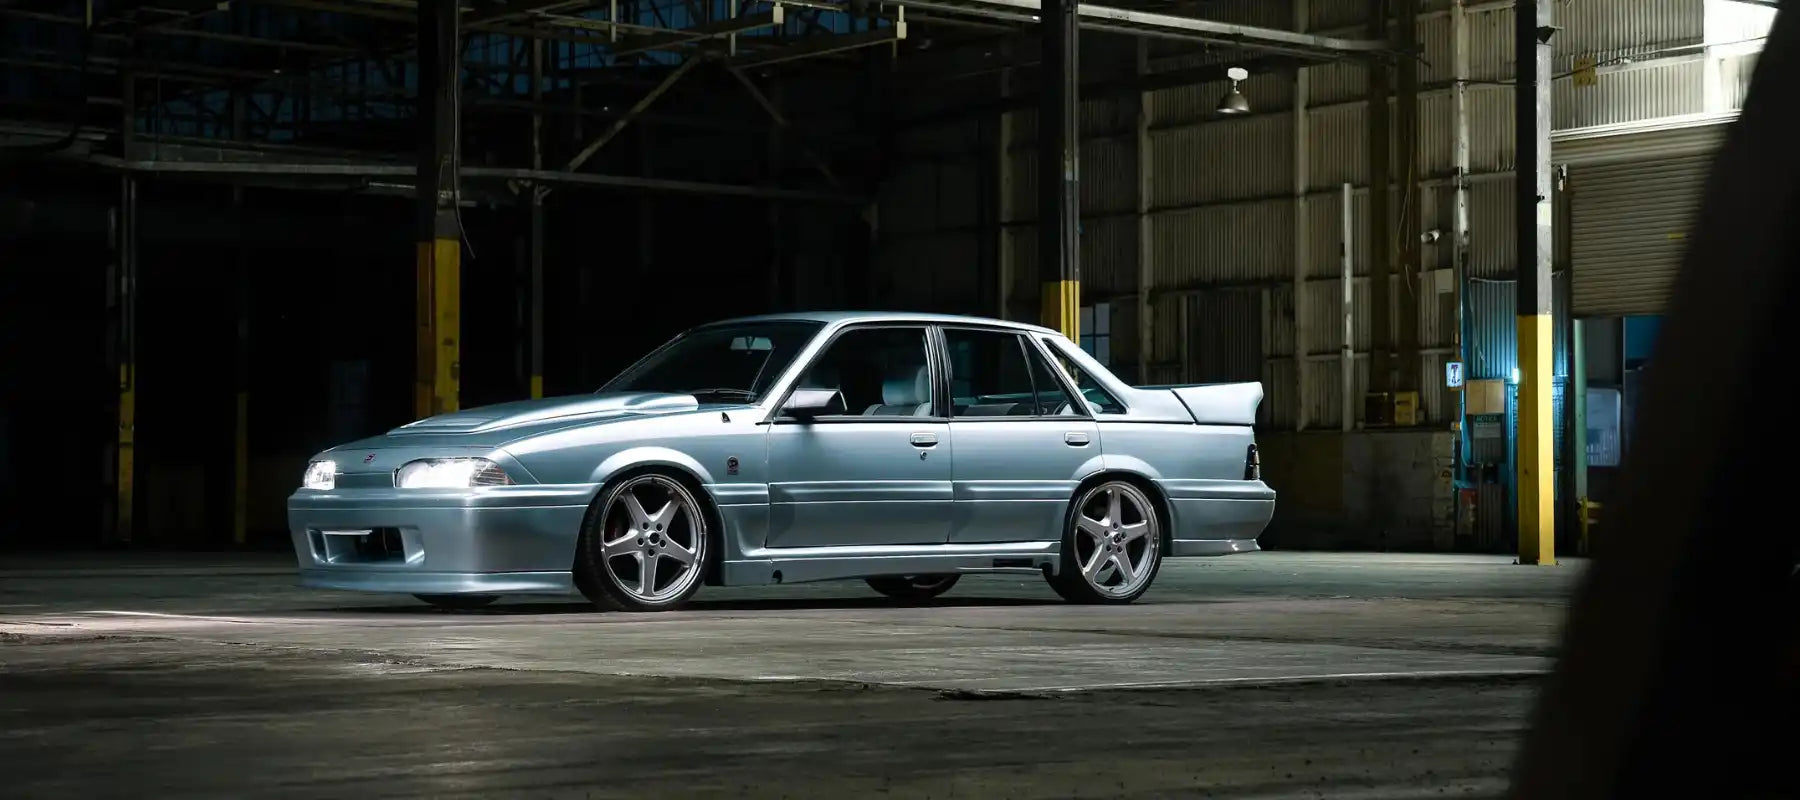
1346	276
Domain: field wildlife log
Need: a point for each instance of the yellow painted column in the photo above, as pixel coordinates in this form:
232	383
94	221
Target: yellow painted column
1062	308
439	285
1537	440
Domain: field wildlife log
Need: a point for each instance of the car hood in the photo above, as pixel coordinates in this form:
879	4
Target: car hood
578	409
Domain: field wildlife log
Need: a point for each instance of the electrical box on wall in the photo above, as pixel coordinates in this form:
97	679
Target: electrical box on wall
1395	409
1486	396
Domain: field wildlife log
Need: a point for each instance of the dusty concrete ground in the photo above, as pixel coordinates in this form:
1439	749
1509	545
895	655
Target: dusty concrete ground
1265	675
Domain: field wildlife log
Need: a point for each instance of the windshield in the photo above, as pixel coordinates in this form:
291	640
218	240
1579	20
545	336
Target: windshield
720	363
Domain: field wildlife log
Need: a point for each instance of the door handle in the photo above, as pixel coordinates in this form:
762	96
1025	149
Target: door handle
924	440
1075	439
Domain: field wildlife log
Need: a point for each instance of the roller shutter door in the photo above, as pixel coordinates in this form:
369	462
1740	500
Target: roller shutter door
1629	231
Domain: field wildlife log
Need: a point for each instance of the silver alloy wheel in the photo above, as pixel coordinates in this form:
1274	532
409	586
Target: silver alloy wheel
653	556
1117	539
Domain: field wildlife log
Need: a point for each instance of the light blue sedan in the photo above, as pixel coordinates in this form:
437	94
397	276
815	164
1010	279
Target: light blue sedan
902	449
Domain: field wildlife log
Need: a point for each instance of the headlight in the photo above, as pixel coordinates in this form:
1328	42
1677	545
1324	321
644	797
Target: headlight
321	475
450	473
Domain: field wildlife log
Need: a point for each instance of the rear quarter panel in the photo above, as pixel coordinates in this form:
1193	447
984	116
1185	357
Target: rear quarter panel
1200	468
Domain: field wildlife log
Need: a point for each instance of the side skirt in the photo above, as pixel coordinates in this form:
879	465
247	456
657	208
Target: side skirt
765	566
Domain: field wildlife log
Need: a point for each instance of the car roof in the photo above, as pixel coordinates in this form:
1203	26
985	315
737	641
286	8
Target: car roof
831	317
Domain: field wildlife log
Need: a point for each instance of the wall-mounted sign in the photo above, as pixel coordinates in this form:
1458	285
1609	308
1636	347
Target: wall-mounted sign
1453	374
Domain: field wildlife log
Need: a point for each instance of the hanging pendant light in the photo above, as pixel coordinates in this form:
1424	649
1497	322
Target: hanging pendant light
1234	101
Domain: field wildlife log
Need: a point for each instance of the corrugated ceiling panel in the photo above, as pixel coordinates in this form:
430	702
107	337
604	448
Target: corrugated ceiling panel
1325	394
1225	329
1325	233
1337	82
1109	262
1108	176
1491	133
1492	243
1736	74
1612	27
1103	116
1165	324
1280	388
1663	90
1248	241
1280	341
1491	44
1338	150
1329	14
1252	157
1434	38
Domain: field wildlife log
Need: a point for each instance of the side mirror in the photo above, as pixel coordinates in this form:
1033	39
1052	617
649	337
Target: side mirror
809	403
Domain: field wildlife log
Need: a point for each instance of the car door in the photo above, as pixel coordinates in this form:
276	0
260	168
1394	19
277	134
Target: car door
1022	443
877	474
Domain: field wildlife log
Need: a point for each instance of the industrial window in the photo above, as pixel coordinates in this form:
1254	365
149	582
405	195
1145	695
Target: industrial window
995	374
1096	332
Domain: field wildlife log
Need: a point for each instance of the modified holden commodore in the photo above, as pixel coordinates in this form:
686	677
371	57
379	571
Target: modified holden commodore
902	449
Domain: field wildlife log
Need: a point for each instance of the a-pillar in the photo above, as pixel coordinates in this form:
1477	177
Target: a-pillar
439	285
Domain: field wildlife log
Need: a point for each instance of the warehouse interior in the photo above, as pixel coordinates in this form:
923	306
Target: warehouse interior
220	217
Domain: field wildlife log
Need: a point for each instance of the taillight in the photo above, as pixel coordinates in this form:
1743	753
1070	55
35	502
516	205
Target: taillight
1252	464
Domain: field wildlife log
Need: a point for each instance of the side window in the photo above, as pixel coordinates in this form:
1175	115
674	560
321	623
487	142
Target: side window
881	372
1097	397
994	374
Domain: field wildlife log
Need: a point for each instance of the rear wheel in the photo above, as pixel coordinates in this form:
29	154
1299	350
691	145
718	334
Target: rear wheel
460	602
913	587
644	545
1112	547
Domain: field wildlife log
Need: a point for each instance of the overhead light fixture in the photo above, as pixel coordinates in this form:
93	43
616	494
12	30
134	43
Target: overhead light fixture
1234	103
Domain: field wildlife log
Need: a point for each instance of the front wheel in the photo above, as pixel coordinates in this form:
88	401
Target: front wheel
913	587
644	545
458	602
1112	546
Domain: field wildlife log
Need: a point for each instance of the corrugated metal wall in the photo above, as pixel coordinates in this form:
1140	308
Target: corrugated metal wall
1219	191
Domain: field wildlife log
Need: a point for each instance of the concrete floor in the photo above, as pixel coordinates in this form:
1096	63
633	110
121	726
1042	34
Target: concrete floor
1261	675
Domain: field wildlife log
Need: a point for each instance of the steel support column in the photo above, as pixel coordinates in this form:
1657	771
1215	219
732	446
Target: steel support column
1302	314
439	280
1059	213
240	435
1537	494
1381	217
1408	367
535	279
122	301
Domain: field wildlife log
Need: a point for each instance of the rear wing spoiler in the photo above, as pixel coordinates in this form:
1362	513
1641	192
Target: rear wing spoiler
1217	403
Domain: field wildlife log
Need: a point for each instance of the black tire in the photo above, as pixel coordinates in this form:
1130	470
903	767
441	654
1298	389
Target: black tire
913	588
458	602
600	584
1069	582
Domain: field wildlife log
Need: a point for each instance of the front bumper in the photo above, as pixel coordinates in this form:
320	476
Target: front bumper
492	540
